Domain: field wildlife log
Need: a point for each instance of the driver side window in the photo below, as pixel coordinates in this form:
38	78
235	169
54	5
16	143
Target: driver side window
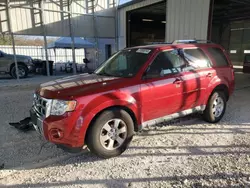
167	62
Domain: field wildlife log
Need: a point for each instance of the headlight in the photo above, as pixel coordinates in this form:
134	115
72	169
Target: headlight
59	107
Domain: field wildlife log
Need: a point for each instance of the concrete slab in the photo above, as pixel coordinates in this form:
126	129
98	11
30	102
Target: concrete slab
34	80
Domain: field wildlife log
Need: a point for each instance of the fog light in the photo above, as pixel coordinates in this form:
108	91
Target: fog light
56	133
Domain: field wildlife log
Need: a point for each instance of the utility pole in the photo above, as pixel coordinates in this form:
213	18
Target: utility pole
72	37
8	15
42	16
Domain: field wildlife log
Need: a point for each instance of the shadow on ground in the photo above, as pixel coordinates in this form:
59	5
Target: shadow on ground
235	123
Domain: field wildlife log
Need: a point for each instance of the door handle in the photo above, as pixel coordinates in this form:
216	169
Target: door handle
209	75
177	81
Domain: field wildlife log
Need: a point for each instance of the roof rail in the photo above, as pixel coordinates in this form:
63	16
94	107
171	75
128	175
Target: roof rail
151	43
192	41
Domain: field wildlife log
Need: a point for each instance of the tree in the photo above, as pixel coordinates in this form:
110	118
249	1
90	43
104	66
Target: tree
5	39
22	41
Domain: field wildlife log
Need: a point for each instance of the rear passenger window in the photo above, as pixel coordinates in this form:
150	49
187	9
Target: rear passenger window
196	59
219	57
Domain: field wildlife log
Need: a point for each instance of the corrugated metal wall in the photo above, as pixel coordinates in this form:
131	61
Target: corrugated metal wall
28	22
122	29
187	19
239	41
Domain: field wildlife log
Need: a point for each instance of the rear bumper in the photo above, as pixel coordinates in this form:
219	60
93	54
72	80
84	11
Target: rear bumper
55	131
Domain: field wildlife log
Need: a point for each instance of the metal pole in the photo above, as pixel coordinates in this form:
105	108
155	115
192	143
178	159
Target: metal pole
210	20
95	34
12	35
55	59
44	36
72	38
117	21
66	55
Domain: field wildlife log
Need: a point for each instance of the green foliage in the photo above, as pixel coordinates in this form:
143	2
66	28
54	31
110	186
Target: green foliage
5	39
22	41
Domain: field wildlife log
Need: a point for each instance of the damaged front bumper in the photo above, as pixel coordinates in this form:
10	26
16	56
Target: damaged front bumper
49	132
37	122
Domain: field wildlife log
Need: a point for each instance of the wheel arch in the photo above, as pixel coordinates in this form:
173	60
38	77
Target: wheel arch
220	87
207	114
18	63
125	108
224	89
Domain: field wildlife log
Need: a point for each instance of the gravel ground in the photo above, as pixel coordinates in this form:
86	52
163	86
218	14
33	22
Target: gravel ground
189	153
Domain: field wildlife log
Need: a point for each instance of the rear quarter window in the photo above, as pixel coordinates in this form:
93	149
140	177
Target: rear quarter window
219	57
196	58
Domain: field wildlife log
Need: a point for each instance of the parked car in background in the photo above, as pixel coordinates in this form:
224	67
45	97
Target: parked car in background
136	87
7	64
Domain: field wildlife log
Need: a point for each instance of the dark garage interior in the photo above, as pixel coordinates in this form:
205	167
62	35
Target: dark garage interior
231	27
146	25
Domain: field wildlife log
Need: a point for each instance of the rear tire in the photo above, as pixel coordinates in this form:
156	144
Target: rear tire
23	71
215	108
110	134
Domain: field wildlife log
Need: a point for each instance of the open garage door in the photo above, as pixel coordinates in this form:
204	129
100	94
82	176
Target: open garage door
231	27
146	25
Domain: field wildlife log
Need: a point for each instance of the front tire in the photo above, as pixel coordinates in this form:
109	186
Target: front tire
110	134
22	71
215	108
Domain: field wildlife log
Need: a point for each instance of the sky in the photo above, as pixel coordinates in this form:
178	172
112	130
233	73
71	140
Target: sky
124	1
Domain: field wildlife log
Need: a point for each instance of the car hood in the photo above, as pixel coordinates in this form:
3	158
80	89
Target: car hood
18	56
77	85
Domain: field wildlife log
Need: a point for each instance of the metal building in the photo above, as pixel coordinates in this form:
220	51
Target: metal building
223	21
181	19
112	26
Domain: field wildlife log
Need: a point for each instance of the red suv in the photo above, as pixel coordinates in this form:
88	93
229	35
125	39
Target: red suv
136	87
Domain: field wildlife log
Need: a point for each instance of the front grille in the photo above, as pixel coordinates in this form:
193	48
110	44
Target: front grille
41	105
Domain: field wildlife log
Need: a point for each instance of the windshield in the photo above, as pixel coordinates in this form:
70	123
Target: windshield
125	63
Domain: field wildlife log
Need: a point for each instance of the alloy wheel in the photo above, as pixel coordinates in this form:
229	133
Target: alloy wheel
113	134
